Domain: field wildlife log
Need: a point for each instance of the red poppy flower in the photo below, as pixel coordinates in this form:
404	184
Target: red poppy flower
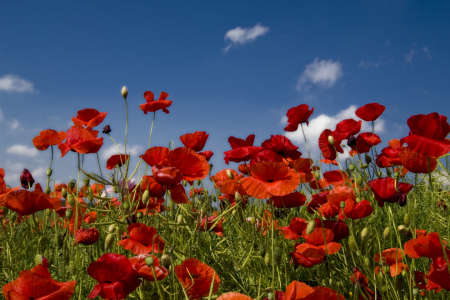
208	223
438	279
153	105
303	167
196	278
391	257
416	162
336	177
115	275
195	141
365	141
90	217
234	296
167	176
38	284
244	169
318	242
384	190
319	184
355	210
291	200
239	143
370	112
428	134
143	239
295	229
190	164
339	228
207	154
87	236
26	203
298	290
116	160
81	140
144	271
389	155
221	177
327	161
317	200
155	189
346	128
47	138
155	155
241	154
425	246
88	117
297	115
329	151
26	179
270	179
265	155
97	188
362	282
282	146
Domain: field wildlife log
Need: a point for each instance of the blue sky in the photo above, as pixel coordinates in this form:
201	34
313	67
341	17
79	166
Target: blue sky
230	68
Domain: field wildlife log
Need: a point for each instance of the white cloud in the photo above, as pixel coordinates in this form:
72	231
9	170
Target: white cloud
135	150
22	150
410	55
382	61
323	73
15	84
12	172
13	124
322	122
427	53
414	53
240	36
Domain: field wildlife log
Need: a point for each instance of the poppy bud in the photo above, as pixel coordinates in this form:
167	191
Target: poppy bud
401	228
277	255
109	240
112	228
366	261
86	181
317	175
406	220
364	233
64	193
69	213
269	290
166	261
47	190
358	253
351	141
342	204
311	226
262	250
351	167
415	291
270	296
379	174
126	206
352	243
230	175
26	179
49	172
386	233
149	261
184	182
71	184
396	174
359	180
358	200
145	196
72	268
364	166
139	215
199	182
267	259
106	129
380	278
213	198
180	219
124	92
331	140
368	159
38	259
251	220
71	200
237	197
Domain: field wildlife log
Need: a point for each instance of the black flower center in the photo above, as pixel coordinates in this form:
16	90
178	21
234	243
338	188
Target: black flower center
270	180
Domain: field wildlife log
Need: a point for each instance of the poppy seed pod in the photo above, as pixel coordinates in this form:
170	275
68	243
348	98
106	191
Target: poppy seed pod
364	233
64	193
71	184
386	233
331	140
109	240
149	261
267	259
47	190
406	220
277	255
166	261
342	204
311	226
368	159
352	243
49	172
69	213
229	174
71	200
139	215
26	179
124	92
351	167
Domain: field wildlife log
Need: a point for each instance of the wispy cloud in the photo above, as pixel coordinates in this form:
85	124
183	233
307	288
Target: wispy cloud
22	150
107	152
239	36
323	73
13	124
15	84
382	61
415	53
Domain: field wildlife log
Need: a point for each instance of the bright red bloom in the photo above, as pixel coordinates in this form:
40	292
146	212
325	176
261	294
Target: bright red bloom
207	154
167	175
155	155
270	179
346	128
195	141
291	200
297	115
265	155
384	191
328	151
437	279
301	291
303	167
244	169
47	138
208	223
425	246
116	160
365	141
190	164
239	143
389	155
221	177
38	284
282	146
391	257
26	203
87	236
155	189
88	117
317	200
416	162
115	275
370	112
153	105
143	239
428	134
295	229
336	177
362	282
144	271
234	296
81	140
26	179
196	278
3	190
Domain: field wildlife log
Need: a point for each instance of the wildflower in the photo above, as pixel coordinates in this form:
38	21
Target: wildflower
370	111
87	236
299	290
81	140
242	150
295	229
329	151
26	179
346	128
153	105
155	155
384	190
298	115
124	92
391	257
234	296
282	146
291	200
89	117
195	141
144	271
116	160
106	129
416	162
143	239
47	138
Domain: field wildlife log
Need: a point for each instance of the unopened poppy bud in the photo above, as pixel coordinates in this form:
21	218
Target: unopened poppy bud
277	255
71	184
331	140
262	250
38	259
149	261
213	198
358	253
310	227
166	261
380	278
47	190
230	174
184	182
366	261
49	172
69	213
269	290
368	159
267	258
64	193
199	182
106	129
26	179
406	220
358	200
342	204
351	167
317	175
415	291
124	92
112	228
251	220
401	228
145	196
71	200
86	181
364	166
180	219
270	296
109	240
237	197
126	206
139	215
72	268
386	232
364	233
352	243
396	174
